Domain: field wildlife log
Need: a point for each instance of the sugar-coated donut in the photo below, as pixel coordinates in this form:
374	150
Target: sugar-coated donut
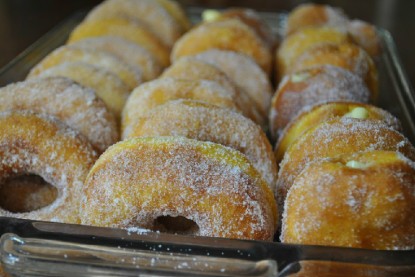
229	34
366	36
207	122
190	68
107	86
310	117
38	144
295	45
141	181
314	15
310	87
159	91
177	11
76	106
129	52
130	75
346	55
244	73
339	136
151	13
364	200
127	29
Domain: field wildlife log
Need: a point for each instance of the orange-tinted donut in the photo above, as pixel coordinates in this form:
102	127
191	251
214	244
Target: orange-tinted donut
157	92
336	137
190	68
76	106
346	55
38	144
129	52
365	200
144	181
311	87
207	122
366	36
244	73
229	34
309	118
295	45
314	15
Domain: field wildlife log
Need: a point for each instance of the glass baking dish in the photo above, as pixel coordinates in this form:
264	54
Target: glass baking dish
30	248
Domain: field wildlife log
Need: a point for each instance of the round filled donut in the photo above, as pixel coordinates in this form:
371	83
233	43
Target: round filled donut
157	92
309	118
339	136
244	73
364	200
309	87
346	55
76	106
365	35
151	13
207	122
191	68
231	34
130	75
154	182
129	52
34	144
125	28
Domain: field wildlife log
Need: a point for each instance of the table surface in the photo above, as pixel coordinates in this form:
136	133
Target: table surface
22	22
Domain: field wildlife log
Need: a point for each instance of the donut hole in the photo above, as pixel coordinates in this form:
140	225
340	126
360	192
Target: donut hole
175	225
26	193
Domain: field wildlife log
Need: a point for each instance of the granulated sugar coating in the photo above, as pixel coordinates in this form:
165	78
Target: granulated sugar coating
206	122
76	106
40	145
137	181
337	137
332	203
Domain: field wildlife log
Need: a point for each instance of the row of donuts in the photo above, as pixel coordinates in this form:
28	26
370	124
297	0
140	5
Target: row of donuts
204	99
347	176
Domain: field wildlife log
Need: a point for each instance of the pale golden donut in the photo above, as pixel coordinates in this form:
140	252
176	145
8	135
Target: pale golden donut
229	34
177	12
191	68
38	144
207	122
76	106
129	52
339	136
244	73
130	75
157	92
364	200
310	117
151	13
138	182
106	85
306	88
128	29
365	35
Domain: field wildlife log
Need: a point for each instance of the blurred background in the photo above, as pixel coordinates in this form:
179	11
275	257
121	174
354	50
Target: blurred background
22	22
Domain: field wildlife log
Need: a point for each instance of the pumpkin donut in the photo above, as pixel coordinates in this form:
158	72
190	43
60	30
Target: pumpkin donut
146	182
40	145
129	52
128	29
364	200
207	122
339	136
306	88
229	34
190	68
151	13
309	118
130	75
157	92
244	73
76	106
